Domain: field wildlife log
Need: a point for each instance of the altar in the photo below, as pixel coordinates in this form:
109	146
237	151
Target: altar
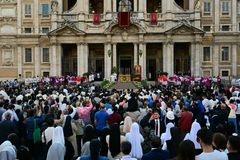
124	77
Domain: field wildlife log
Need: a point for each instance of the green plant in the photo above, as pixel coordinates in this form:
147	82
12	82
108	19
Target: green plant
144	83
106	84
114	70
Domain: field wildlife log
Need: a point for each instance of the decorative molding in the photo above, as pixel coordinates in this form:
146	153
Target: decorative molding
8	19
8	1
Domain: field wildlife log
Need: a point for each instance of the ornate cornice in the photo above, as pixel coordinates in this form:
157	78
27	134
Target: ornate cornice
8	1
8	19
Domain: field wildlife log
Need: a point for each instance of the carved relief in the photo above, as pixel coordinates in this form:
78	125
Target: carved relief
8	1
8	19
54	6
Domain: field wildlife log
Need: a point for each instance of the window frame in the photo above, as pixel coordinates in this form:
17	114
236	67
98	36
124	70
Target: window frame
25	55
28	71
4	52
225	13
223	70
208	13
207	26
41	10
28	15
221	53
210	53
42	55
28	32
43	28
221	29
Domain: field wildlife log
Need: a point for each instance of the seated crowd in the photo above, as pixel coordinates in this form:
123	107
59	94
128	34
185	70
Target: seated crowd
69	122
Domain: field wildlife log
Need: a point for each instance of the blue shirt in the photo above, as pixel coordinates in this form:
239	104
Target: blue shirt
101	119
108	106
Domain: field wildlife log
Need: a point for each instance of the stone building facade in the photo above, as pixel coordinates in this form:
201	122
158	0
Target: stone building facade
72	37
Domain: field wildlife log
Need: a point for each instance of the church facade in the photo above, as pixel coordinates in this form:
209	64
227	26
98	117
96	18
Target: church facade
74	37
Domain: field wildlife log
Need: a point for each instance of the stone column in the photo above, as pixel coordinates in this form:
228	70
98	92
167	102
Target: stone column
114	5
86	6
107	6
85	54
234	16
60	6
107	60
135	54
59	60
80	59
19	17
19	60
37	60
36	16
216	14
193	58
142	59
114	55
234	60
170	52
191	5
215	60
198	59
135	5
54	60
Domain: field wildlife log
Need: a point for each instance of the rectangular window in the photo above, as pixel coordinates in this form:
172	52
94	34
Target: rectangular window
28	10
45	10
28	55
225	28
207	9
45	30
225	8
27	30
28	74
45	55
45	74
206	54
225	53
225	73
207	28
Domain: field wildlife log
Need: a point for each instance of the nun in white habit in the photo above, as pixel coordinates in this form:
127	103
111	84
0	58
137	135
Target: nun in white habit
135	138
167	135
192	136
7	151
57	149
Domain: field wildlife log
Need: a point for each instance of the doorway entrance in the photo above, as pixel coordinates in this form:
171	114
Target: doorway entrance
125	58
69	59
182	59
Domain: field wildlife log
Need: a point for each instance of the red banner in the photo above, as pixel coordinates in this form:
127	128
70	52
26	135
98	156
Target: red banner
124	19
153	18
96	19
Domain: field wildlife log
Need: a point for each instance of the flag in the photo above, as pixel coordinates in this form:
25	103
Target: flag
96	19
153	18
124	19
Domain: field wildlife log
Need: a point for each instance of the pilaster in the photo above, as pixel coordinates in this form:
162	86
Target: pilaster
107	60
19	60
216	60
36	17
135	54
114	55
37	60
234	60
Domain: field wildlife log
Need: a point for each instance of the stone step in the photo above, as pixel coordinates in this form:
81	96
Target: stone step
123	85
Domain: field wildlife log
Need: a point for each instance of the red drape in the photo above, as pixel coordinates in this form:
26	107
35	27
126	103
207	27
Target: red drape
153	18
96	19
124	19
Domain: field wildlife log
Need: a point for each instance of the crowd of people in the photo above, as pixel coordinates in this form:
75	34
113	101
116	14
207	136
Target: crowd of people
76	121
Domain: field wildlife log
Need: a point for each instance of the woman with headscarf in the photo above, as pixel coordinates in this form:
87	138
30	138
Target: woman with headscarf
7	151
172	144
89	134
135	138
104	145
70	130
95	148
114	141
125	128
192	136
166	136
57	149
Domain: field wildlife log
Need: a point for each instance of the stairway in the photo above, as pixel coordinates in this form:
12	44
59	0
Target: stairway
123	85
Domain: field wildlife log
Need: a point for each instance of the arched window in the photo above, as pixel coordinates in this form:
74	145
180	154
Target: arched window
68	4
154	6
96	6
125	5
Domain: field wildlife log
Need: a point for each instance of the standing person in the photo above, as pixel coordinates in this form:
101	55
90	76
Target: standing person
157	126
7	151
220	142
100	119
125	128
232	118
233	146
126	149
57	149
7	127
156	153
95	148
185	120
135	138
204	137
186	151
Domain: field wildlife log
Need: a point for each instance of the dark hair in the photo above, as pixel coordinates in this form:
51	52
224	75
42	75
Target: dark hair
50	122
14	139
89	133
95	148
205	135
104	133
220	141
186	150
234	142
172	145
126	147
67	129
156	142
114	139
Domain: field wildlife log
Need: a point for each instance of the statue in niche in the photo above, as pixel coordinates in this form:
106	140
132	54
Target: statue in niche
125	6
197	5
54	6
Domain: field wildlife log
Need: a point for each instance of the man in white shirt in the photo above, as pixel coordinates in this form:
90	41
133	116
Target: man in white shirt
47	135
204	137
